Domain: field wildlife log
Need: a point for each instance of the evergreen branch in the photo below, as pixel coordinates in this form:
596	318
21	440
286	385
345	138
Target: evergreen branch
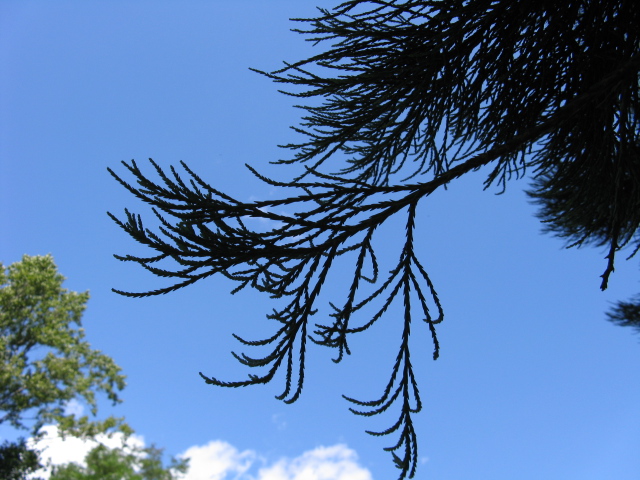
409	88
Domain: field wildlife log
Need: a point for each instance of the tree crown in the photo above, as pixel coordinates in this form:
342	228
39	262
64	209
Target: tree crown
46	361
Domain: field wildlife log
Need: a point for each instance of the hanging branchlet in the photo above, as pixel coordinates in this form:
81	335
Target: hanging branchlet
402	387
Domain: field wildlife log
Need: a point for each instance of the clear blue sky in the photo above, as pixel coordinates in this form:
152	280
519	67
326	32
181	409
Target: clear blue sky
532	382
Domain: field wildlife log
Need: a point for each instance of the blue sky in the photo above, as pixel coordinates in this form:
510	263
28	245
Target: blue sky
532	382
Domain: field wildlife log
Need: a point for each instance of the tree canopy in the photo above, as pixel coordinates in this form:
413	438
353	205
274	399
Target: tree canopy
18	461
46	361
407	97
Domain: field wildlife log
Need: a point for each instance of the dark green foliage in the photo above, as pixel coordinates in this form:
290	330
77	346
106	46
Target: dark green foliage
409	96
17	461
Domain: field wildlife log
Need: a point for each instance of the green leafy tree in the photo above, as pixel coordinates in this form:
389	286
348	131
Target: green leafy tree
409	96
18	461
46	361
103	463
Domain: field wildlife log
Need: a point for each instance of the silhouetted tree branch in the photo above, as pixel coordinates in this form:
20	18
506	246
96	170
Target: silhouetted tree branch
412	95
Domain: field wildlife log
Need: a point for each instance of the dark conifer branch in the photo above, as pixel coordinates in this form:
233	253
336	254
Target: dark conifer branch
626	314
412	95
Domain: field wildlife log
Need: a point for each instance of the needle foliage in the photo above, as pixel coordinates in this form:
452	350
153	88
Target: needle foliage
408	96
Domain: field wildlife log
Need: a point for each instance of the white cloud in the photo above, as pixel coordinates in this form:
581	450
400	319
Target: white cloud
323	463
217	460
56	450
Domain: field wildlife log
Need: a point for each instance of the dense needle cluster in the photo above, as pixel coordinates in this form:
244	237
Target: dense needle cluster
409	96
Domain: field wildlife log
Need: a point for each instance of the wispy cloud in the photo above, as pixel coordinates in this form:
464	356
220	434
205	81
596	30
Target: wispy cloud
279	420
